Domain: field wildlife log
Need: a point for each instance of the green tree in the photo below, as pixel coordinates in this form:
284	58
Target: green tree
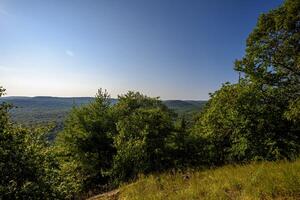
273	53
258	117
246	121
144	125
273	50
187	149
85	146
26	164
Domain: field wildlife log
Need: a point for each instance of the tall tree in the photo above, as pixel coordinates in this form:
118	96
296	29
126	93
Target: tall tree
259	117
85	146
273	48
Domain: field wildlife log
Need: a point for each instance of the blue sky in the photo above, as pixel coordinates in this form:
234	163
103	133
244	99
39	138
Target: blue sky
175	49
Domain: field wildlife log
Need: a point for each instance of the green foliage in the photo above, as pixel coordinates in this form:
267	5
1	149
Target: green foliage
85	147
273	56
26	164
246	122
258	117
293	112
273	50
186	148
102	142
105	143
4	108
143	125
32	111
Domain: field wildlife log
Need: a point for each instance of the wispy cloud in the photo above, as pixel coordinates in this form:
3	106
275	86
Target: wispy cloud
70	53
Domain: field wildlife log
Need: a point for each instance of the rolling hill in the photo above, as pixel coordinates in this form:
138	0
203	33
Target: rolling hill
43	109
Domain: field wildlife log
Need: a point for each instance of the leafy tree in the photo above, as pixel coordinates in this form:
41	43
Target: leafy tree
273	49
26	166
85	146
273	53
143	125
258	117
246	121
133	101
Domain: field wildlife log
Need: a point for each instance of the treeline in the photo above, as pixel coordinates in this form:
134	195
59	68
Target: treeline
103	145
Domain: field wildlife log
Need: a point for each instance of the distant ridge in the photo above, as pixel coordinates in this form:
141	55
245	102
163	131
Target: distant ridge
45	102
47	109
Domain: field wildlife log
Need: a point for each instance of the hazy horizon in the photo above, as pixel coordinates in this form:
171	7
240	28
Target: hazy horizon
113	97
172	49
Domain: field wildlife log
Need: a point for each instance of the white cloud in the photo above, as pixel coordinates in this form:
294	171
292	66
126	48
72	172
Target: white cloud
70	53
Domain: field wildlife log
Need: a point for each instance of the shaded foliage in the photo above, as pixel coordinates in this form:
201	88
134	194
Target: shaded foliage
26	164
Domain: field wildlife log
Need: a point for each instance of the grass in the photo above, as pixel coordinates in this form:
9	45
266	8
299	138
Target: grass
265	180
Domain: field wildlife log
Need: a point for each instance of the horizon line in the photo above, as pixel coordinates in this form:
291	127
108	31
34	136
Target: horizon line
22	96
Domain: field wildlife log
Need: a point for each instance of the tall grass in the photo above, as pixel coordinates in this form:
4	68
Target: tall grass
266	180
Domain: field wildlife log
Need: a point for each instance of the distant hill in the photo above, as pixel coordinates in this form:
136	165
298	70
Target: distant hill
43	109
31	110
185	106
47	109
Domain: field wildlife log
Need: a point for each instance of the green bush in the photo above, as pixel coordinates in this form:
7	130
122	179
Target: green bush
27	166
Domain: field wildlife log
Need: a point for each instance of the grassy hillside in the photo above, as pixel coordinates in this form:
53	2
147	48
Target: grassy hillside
266	180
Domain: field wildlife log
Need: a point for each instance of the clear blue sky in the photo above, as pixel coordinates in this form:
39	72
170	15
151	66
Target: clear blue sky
175	49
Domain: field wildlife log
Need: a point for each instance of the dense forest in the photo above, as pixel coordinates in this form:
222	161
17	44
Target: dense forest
104	145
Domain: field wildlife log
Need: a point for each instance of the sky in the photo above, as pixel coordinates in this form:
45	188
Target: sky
174	49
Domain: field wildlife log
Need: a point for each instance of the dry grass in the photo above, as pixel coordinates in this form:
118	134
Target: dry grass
266	180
